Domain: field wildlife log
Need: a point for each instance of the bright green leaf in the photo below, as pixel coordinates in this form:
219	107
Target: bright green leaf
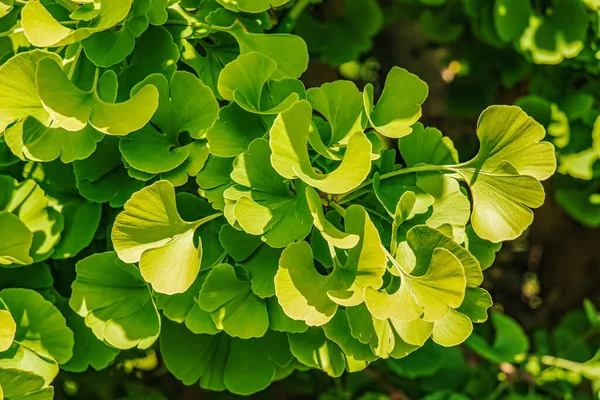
288	141
504	175
151	232
72	108
393	115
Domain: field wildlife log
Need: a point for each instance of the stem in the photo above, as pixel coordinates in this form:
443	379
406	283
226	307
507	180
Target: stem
96	77
338	208
75	60
289	21
375	212
498	391
393	261
364	187
207	219
298	9
220	259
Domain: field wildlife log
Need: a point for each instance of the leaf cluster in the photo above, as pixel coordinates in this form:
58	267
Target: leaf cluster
164	161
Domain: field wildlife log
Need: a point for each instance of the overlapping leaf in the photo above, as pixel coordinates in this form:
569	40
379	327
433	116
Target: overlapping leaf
42	340
289	139
115	302
73	108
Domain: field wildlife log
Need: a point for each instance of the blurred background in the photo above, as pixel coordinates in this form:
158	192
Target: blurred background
546	283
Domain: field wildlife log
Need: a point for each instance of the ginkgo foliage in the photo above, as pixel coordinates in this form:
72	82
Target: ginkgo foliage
207	204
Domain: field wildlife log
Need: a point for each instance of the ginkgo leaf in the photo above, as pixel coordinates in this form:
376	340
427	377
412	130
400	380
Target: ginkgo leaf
88	350
338	331
441	288
185	308
434	274
450	205
427	145
381	335
234	130
290	158
29	202
476	303
185	105
414	332
72	108
29	139
484	250
262	267
367	259
405	210
8	328
424	239
155	53
151	232
341	104
102	177
147	150
246	80
262	202
238	244
504	175
279	321
390	191
307	295
288	51
15	240
35	276
214	178
451	330
400	305
111	46
233	306
42	339
561	34
393	115
302	290
115	302
42	30
18	93
221	362
19	384
314	349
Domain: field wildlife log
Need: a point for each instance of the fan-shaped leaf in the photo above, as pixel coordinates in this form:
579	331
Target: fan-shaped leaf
504	176
115	302
42	339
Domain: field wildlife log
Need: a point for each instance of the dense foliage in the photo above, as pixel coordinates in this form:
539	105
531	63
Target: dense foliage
168	185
